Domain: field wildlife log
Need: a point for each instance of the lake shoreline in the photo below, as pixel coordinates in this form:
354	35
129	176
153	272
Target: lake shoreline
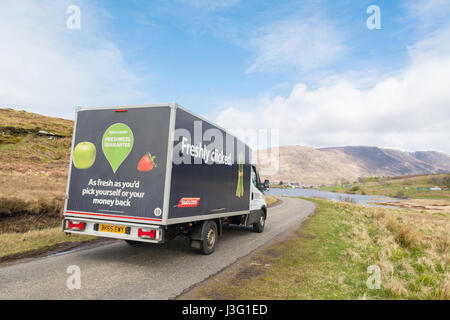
365	200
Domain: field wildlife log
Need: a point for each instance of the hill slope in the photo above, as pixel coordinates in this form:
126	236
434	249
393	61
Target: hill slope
22	146
33	167
307	165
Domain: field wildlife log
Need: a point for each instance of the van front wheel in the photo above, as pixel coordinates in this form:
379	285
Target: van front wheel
259	226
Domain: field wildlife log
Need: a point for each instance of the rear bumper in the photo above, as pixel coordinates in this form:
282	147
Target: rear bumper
91	227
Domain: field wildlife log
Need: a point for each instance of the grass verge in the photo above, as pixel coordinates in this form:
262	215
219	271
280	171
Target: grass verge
328	258
17	245
271	200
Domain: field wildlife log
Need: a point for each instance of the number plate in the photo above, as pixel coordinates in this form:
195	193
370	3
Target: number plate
111	228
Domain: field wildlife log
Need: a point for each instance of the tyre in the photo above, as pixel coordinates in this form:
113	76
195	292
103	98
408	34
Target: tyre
259	226
209	238
133	243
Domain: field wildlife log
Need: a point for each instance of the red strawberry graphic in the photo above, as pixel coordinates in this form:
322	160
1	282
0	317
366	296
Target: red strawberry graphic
147	163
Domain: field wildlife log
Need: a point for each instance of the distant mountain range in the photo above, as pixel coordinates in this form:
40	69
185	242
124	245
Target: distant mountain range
307	165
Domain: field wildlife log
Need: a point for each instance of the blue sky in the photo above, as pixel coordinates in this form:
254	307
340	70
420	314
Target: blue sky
199	56
310	69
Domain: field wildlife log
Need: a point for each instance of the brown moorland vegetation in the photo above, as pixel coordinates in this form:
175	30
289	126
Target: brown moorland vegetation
331	255
33	170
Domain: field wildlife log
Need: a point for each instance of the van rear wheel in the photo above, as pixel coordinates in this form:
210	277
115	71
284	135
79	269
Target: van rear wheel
209	238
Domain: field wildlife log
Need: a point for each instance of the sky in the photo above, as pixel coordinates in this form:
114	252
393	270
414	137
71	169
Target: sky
311	72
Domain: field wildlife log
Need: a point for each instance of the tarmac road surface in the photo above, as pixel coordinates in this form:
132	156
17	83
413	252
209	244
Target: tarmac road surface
120	271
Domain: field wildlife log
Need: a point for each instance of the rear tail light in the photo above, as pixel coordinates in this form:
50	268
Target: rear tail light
147	233
79	226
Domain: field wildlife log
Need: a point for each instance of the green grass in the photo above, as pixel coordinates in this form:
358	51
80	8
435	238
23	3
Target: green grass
35	241
271	200
279	186
8	139
402	187
32	149
329	256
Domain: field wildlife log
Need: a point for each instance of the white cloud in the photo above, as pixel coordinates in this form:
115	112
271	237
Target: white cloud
301	42
409	111
47	68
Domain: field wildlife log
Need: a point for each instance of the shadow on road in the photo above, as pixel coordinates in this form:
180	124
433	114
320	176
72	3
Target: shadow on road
156	254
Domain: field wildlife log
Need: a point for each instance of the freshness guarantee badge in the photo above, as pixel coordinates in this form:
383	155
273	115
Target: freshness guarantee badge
117	144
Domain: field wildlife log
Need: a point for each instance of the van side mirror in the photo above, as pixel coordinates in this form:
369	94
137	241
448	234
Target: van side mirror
266	184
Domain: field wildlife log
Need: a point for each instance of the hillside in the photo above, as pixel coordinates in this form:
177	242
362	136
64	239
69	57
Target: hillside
23	147
307	165
33	169
33	166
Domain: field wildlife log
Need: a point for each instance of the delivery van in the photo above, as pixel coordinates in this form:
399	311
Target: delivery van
149	173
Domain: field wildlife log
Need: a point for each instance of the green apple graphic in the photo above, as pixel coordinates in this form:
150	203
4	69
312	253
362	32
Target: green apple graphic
84	155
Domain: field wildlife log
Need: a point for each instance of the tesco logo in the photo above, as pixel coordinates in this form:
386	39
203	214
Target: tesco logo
188	202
